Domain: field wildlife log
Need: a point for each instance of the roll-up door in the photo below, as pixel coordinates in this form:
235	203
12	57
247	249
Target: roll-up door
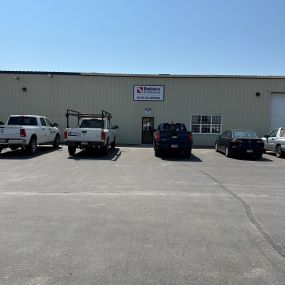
277	111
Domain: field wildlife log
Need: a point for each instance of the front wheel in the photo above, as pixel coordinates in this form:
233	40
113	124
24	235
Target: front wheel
13	147
71	150
216	147
228	152
279	152
32	147
56	142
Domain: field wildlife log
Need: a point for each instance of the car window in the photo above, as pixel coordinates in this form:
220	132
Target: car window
23	120
282	133
43	122
273	133
172	127
245	135
226	134
93	123
223	135
49	124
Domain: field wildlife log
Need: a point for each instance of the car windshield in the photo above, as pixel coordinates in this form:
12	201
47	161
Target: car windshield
172	127
92	123
245	135
23	121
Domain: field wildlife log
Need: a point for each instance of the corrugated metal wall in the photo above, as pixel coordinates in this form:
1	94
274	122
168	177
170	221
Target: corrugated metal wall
233	97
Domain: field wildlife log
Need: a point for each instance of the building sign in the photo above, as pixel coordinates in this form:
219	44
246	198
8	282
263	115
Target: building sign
148	93
147	111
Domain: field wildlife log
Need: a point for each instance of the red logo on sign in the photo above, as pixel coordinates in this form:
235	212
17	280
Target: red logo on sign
140	89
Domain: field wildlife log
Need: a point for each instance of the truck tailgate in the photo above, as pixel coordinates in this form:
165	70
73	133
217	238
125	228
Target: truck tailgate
84	134
9	132
173	137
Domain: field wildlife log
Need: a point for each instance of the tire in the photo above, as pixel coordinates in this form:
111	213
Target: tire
56	142
32	147
216	147
279	152
13	147
106	148
157	152
188	152
71	150
0	149
228	152
113	144
258	156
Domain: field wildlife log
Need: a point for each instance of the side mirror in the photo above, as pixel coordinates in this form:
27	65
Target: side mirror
115	127
266	136
219	136
2	123
55	125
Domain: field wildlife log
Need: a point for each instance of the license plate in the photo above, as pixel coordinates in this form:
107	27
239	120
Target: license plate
249	151
3	140
174	145
84	143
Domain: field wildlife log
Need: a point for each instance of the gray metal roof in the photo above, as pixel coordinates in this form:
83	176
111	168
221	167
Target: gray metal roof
144	75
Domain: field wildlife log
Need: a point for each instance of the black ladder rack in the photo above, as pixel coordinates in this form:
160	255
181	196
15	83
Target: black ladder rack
69	112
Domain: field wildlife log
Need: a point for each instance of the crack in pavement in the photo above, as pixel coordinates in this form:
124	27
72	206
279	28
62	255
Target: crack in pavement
279	249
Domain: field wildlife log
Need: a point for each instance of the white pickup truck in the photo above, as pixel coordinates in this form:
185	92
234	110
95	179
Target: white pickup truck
28	131
275	141
93	131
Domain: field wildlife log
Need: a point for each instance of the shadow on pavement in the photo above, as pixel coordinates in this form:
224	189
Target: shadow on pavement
178	157
22	154
113	155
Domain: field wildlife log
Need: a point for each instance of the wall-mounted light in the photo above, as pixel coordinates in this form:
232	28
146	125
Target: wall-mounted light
17	78
50	75
257	94
24	89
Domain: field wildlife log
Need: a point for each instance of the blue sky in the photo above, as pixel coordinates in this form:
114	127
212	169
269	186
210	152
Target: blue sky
245	37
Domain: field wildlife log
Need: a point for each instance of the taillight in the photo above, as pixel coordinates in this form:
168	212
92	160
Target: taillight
103	135
65	134
157	136
23	133
190	137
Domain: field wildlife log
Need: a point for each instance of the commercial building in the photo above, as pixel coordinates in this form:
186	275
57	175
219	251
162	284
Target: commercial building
207	105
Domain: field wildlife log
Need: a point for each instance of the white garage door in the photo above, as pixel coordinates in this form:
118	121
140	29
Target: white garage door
277	111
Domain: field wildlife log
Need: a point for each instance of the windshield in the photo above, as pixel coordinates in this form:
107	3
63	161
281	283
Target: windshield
245	135
23	121
92	123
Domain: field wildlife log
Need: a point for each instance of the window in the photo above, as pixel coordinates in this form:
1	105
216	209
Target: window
172	127
49	124
273	133
43	122
92	123
206	124
22	120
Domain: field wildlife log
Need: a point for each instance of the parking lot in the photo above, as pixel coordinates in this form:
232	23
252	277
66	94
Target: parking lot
133	218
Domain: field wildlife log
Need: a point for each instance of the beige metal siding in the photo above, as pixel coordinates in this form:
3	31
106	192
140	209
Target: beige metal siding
234	98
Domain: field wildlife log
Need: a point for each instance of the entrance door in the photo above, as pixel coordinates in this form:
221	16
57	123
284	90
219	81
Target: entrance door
147	130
